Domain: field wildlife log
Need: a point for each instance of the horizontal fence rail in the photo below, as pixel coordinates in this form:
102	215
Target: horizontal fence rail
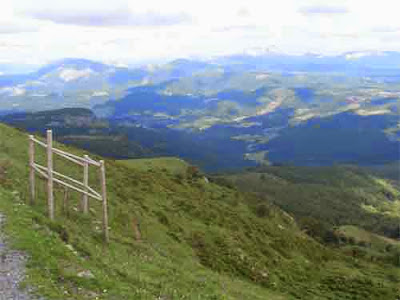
70	156
52	176
94	194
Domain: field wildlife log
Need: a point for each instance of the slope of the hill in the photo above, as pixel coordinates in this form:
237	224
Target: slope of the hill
199	240
324	199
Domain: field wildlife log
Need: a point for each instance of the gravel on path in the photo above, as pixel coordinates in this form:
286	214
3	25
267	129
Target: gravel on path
12	271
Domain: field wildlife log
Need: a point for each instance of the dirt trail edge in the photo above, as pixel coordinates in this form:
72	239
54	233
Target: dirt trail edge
12	271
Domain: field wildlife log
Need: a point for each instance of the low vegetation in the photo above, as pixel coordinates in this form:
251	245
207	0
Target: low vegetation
343	206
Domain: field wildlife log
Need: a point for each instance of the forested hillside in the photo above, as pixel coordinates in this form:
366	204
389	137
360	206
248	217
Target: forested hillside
333	204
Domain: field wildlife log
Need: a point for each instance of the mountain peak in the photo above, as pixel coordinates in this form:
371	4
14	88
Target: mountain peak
73	63
359	54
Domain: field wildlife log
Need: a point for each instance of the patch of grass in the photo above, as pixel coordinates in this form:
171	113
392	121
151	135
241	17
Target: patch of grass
371	246
170	164
333	195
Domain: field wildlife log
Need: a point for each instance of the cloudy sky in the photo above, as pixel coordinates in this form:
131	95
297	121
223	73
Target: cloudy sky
127	31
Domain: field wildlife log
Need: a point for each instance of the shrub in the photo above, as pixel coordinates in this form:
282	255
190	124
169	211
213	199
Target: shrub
193	172
262	210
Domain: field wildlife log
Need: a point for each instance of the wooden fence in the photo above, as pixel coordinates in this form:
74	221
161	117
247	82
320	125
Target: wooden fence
55	177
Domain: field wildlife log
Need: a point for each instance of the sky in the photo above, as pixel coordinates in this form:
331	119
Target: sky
135	32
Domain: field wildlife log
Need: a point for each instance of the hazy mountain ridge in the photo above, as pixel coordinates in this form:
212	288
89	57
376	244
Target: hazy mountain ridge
253	100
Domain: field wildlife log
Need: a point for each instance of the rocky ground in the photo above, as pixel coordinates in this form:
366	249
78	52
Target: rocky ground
12	271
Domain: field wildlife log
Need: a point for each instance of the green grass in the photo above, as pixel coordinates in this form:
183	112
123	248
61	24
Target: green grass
333	195
373	244
199	240
343	206
170	164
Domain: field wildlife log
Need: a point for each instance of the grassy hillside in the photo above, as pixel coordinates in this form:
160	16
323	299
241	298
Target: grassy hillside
199	240
370	245
167	164
324	199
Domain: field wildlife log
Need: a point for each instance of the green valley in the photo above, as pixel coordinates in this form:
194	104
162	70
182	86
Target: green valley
347	207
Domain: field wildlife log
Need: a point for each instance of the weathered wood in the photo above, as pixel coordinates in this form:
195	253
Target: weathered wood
50	196
60	153
40	167
39	142
31	169
72	157
67	177
94	195
98	196
37	169
93	162
85	202
76	189
80	160
94	192
104	196
89	189
48	173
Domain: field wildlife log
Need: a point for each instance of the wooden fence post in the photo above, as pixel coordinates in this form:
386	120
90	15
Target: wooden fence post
49	173
50	198
31	169
85	203
104	198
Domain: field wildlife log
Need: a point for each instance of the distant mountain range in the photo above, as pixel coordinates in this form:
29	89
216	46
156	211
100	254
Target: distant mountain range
270	107
95	79
352	63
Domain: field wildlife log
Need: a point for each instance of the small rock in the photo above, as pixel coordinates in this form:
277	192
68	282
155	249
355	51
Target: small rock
264	274
86	274
72	249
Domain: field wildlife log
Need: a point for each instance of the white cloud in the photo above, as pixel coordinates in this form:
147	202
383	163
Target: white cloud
357	55
15	27
386	29
72	74
323	10
136	31
114	17
13	91
100	94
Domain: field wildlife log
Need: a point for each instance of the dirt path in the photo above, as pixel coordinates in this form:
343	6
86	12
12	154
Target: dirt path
12	271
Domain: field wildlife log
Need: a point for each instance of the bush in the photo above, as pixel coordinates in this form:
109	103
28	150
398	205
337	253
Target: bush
193	172
262	210
331	237
222	181
180	178
314	228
